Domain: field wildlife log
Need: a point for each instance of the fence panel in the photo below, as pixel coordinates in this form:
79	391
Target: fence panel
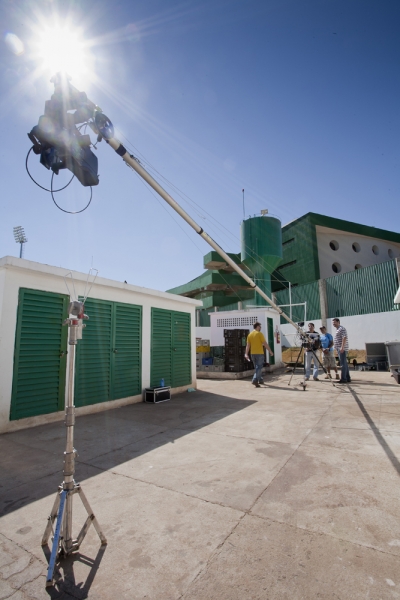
302	293
365	291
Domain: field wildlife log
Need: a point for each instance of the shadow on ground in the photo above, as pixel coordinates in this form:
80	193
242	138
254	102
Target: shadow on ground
64	576
32	459
376	431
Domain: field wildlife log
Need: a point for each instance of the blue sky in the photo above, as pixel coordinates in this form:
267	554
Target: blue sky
295	101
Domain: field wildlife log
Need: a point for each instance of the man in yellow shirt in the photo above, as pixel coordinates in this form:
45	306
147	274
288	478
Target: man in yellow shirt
255	345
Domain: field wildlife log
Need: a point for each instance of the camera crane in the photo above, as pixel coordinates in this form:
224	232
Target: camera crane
61	145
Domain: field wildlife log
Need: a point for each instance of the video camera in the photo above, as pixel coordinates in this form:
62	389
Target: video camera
58	139
310	343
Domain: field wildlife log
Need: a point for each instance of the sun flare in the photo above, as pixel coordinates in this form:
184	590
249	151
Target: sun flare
63	49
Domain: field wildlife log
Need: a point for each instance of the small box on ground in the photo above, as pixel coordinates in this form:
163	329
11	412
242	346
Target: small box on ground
157	394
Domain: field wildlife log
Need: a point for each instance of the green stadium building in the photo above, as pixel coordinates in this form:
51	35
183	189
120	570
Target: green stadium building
307	250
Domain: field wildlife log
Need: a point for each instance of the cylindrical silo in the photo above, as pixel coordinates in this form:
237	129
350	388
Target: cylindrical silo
261	250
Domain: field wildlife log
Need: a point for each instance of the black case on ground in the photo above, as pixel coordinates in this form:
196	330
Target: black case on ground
157	394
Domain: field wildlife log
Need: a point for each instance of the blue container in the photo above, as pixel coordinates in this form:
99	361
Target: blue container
207	361
162	383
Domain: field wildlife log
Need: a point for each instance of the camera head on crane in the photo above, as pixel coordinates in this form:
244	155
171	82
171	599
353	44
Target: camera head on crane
59	141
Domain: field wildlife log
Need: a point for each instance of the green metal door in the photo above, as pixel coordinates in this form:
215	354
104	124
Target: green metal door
108	358
170	348
181	355
40	354
161	347
93	355
126	363
271	340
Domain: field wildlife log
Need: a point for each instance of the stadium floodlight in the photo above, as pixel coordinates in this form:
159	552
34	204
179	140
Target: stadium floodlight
20	238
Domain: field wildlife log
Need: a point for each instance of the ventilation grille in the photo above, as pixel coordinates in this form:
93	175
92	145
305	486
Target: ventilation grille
236	322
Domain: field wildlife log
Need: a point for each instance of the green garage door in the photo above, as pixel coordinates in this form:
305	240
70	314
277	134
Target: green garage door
271	339
40	354
170	348
126	363
108	358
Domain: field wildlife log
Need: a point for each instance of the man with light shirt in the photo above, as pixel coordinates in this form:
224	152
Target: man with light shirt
341	344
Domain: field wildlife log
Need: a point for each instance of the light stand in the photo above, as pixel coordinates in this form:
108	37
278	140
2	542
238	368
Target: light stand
20	238
63	544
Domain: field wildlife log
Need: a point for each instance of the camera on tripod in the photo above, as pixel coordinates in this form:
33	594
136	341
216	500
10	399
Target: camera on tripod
310	341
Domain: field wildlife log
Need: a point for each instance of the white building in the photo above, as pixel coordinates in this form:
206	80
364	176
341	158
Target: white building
134	338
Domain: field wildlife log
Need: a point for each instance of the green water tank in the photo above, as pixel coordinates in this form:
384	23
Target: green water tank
261	251
261	244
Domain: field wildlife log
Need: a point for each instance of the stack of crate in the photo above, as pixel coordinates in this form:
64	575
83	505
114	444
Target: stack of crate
202	351
218	351
218	354
235	349
219	364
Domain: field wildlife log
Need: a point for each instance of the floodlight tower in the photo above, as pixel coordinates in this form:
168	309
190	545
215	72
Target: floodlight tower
20	238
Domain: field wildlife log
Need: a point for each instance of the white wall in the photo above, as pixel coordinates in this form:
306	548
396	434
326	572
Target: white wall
345	255
361	329
203	332
244	319
16	273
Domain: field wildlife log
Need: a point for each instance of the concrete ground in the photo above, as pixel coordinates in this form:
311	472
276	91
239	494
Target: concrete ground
226	493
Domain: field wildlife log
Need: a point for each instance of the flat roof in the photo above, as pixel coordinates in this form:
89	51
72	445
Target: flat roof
28	265
349	226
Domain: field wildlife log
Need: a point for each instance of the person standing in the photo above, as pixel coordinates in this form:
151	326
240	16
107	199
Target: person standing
341	344
328	359
309	356
255	345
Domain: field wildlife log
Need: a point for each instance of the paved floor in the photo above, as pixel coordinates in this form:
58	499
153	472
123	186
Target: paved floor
226	493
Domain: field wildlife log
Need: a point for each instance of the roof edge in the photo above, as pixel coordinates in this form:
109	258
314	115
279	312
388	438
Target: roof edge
7	262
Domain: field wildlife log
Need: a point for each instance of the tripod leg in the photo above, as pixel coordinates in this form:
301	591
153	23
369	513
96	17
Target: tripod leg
296	363
51	520
56	540
68	542
91	519
304	373
321	365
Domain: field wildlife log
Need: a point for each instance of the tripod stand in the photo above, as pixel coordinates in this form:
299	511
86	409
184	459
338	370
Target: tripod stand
312	351
63	544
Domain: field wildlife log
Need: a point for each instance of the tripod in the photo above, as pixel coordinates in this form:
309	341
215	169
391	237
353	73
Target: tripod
312	351
63	544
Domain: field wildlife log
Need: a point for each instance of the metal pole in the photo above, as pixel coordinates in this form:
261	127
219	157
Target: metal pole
290	299
57	533
132	162
69	454
63	544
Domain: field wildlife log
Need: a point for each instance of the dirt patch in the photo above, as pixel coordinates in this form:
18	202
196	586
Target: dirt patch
289	355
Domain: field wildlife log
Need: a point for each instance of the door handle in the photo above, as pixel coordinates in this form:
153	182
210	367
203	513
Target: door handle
63	353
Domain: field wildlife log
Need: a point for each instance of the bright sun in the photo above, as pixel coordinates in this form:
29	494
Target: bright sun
63	49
